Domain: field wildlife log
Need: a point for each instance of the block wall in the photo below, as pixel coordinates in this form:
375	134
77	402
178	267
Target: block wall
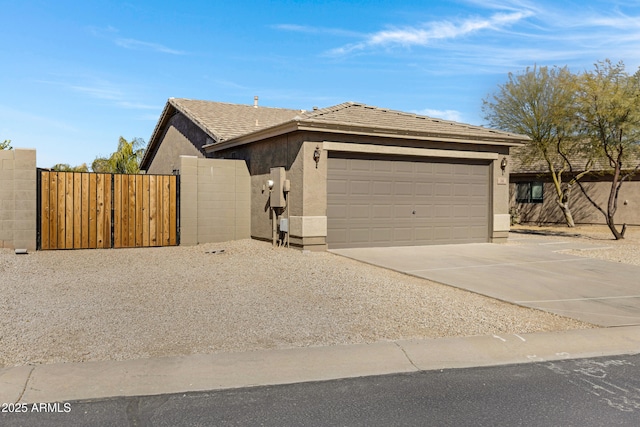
18	199
215	200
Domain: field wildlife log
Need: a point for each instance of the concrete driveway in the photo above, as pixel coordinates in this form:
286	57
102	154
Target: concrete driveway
532	273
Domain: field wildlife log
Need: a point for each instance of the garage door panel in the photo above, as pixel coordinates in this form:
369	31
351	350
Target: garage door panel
403	188
382	212
359	235
382	188
423	233
359	165
444	189
423	189
337	187
403	235
403	167
360	211
337	212
403	211
360	188
450	201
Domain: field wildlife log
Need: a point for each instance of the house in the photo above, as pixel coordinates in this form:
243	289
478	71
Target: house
355	175
533	195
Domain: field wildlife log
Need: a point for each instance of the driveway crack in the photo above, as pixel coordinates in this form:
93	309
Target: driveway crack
26	384
407	356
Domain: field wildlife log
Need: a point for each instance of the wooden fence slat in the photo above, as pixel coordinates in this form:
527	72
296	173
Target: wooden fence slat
93	211
77	210
136	233
85	211
131	211
53	210
165	210
127	221
61	211
44	210
68	232
108	185
118	217
153	211
146	207
159	201
172	211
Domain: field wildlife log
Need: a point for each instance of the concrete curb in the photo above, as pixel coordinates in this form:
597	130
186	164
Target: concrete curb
94	380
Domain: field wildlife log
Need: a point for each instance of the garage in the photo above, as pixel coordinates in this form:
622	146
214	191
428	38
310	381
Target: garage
402	201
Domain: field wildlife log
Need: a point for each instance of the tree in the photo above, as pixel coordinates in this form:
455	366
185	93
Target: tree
6	145
539	103
126	159
608	107
64	167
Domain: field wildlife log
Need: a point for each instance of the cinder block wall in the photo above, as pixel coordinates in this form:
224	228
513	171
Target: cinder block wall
215	200
18	199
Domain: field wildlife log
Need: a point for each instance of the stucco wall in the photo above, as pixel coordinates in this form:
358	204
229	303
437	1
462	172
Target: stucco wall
583	212
308	208
215	200
18	199
181	137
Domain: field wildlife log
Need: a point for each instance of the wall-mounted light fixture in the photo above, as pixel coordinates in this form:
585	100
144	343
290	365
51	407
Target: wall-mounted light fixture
270	184
503	164
316	156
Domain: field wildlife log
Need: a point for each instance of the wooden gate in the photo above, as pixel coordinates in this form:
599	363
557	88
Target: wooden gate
79	210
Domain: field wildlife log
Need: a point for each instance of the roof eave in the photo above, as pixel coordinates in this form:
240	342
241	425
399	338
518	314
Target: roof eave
164	118
302	125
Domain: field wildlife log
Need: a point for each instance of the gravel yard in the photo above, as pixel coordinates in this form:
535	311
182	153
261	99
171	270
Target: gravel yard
606	247
86	305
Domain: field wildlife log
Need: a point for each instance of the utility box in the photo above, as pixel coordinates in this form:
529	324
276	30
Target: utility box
284	225
278	175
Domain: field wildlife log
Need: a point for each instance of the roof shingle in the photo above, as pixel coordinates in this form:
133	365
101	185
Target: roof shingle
226	121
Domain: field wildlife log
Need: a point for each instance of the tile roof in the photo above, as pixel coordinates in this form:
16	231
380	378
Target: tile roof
224	121
578	162
356	114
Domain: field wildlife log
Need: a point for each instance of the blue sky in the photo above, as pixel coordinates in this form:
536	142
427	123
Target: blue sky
78	74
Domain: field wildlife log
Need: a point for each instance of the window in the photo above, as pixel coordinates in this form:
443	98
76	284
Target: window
529	192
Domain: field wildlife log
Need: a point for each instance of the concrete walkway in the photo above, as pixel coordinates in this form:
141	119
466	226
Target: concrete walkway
533	273
92	380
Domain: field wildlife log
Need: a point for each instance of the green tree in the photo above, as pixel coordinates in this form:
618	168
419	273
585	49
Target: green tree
126	159
608	112
539	103
64	167
6	145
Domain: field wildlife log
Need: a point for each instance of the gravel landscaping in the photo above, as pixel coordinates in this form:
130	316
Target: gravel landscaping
605	248
86	305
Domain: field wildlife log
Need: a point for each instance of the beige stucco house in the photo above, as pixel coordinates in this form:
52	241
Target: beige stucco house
356	175
533	194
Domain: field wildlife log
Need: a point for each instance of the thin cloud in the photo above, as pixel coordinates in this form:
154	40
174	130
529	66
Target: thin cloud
18	116
104	90
98	92
433	31
141	45
316	30
451	115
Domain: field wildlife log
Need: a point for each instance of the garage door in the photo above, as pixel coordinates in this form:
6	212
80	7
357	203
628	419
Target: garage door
409	201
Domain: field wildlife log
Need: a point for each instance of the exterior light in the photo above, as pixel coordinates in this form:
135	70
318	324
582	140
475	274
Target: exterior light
503	164
316	156
270	184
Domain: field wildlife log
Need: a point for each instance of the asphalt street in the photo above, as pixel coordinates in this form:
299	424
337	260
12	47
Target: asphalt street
576	392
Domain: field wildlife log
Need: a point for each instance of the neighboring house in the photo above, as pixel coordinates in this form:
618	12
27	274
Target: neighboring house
533	195
360	176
